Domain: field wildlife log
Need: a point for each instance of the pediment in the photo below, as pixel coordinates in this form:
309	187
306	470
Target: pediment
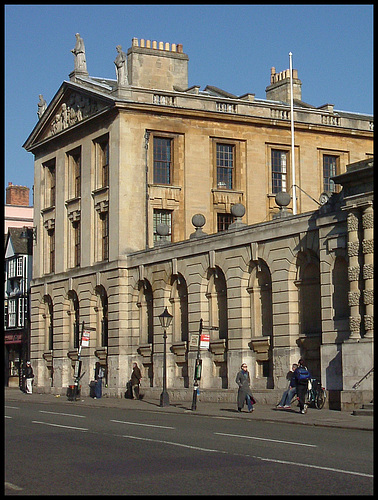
69	107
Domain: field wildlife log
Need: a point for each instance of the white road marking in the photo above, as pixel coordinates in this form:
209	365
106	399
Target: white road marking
266	439
66	414
175	444
145	425
7	416
12	407
330	469
57	425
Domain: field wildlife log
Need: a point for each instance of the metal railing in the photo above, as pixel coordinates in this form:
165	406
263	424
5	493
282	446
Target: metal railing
357	384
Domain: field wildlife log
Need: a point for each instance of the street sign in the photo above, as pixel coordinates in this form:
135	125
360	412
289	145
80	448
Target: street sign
85	338
194	340
205	341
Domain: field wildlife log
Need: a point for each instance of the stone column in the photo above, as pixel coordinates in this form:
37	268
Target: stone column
353	275
368	269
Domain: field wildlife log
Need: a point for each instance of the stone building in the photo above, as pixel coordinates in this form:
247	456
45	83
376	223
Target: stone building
117	159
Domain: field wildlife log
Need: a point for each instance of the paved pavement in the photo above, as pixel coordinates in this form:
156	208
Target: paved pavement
262	412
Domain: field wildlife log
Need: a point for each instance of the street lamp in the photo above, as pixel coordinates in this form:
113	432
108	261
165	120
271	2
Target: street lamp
165	320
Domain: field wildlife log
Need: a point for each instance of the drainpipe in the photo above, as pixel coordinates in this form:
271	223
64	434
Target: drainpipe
146	139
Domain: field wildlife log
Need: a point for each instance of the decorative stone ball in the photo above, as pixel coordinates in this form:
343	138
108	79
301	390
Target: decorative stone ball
198	220
238	210
282	199
162	230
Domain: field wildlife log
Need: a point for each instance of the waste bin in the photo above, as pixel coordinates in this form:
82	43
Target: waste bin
73	392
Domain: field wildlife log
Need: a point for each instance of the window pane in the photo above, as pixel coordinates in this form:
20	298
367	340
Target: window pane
224	220
163	217
279	170
162	160
329	170
225	165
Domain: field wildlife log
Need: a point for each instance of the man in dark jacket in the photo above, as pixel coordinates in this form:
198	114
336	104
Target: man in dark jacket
135	380
288	395
29	377
244	393
302	376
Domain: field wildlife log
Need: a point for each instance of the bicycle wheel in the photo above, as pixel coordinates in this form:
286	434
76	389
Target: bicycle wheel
320	398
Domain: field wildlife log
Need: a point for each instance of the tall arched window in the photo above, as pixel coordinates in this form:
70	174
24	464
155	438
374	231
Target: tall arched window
102	315
179	300
49	329
146	319
75	318
217	296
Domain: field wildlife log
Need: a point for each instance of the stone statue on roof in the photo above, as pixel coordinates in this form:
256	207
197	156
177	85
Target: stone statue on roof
41	106
121	67
79	53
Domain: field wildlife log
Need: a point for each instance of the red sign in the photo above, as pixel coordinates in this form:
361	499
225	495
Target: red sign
15	338
205	341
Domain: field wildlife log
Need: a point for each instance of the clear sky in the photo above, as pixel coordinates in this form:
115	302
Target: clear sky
231	47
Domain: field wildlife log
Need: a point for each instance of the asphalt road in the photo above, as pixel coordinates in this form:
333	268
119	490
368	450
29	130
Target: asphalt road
50	450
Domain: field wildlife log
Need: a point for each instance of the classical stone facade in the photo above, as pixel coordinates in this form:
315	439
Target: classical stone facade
113	162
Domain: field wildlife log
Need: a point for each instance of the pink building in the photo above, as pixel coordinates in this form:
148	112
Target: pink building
17	212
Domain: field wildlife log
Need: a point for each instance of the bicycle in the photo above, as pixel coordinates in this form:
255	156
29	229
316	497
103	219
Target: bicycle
316	395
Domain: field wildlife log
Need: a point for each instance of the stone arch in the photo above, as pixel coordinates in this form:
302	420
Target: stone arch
179	301
261	313
101	315
146	312
74	323
309	299
218	316
340	303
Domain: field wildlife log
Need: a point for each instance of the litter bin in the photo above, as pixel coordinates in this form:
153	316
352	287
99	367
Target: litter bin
73	392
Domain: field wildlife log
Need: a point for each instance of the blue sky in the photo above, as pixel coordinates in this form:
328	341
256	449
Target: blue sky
231	47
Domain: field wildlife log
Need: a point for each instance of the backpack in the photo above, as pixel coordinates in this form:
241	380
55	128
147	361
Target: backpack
302	374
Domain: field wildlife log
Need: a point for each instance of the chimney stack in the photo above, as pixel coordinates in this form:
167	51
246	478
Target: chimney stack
17	195
279	88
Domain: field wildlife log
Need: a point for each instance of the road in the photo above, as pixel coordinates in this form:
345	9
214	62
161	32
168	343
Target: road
53	450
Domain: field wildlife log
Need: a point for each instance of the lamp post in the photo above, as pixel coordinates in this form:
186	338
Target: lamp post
165	320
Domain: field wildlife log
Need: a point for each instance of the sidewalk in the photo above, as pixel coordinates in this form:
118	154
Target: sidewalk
262	412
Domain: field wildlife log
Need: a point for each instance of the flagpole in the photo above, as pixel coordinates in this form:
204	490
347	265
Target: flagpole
292	137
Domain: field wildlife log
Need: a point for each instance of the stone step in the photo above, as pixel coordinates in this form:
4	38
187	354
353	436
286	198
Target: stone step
367	409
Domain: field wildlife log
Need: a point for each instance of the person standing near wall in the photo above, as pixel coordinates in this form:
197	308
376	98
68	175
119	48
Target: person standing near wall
244	393
29	377
135	380
99	374
302	376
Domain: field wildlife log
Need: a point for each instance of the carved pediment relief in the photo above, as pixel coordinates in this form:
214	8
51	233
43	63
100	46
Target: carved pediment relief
75	108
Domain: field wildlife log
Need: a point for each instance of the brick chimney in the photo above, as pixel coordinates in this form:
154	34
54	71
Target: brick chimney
17	195
279	88
157	65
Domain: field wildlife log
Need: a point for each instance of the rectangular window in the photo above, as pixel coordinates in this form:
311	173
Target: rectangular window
105	235
225	166
51	234
223	221
104	149
279	171
50	182
11	268
76	230
74	172
102	163
163	217
12	313
162	172
20	266
21	312
329	170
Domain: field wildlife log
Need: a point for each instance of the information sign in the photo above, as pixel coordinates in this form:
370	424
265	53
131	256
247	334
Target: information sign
85	338
205	341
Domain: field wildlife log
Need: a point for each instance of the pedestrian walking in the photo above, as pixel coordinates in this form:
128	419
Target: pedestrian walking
135	380
302	376
29	378
244	393
290	392
99	375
